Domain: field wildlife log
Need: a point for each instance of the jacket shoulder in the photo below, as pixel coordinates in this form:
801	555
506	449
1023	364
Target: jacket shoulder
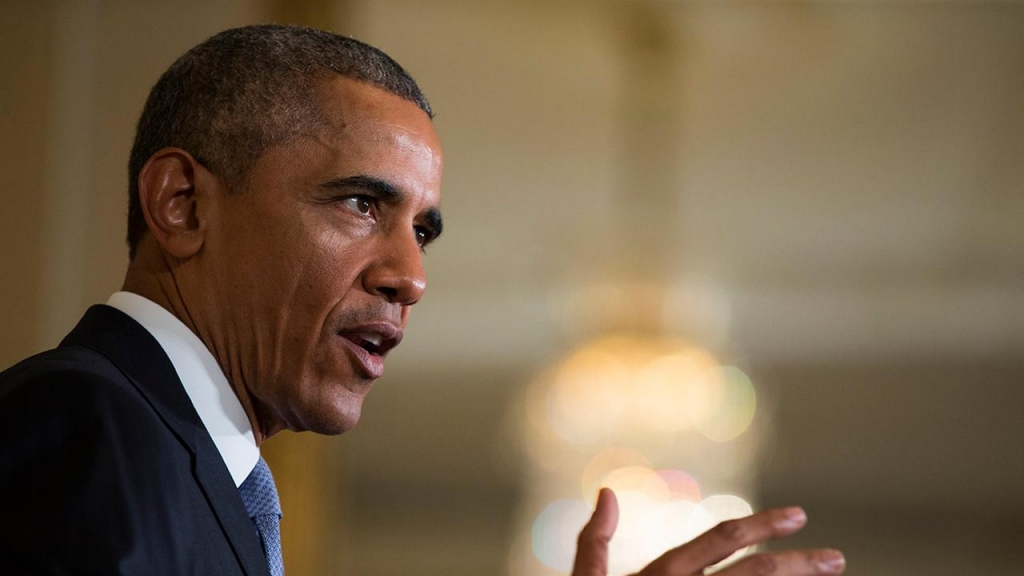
70	365
90	472
79	384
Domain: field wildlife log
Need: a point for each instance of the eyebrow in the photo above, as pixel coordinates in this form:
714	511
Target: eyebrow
386	192
380	188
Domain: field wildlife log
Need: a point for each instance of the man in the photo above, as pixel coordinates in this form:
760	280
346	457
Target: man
283	184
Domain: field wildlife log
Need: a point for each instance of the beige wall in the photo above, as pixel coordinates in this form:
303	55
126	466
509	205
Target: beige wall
76	75
25	54
835	195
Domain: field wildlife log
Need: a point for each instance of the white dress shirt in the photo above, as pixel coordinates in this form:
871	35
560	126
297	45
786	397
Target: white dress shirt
204	382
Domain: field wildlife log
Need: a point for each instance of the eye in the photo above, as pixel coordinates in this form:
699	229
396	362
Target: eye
423	236
359	204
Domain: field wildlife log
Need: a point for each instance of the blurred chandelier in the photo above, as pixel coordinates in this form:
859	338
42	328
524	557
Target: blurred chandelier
635	407
652	417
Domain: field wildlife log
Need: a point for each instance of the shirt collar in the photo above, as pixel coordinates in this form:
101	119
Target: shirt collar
207	387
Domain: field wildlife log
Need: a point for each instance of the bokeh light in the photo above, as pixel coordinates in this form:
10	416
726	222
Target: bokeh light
638	536
681	486
726	401
682	521
587	396
639	480
554	533
604	463
621	385
663	387
652	519
728	507
625	412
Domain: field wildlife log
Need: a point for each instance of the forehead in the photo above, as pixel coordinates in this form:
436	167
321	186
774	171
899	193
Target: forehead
355	108
368	126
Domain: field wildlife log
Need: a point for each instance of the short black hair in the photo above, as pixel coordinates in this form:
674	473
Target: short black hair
244	90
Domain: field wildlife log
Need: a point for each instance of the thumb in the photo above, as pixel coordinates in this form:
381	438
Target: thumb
592	547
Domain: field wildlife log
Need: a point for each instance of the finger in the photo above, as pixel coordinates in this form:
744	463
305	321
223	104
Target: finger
592	547
791	563
721	541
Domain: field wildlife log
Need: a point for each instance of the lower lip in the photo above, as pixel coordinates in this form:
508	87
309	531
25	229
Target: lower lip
371	365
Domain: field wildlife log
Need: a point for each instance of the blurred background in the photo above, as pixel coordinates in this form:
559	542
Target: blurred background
718	255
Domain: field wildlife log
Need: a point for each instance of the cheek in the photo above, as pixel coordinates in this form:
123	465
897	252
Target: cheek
304	272
345	245
304	263
325	283
331	265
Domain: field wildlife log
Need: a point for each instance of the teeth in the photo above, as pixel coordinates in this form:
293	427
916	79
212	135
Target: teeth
374	339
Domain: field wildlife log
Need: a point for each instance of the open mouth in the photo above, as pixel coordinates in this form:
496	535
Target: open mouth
377	341
370	343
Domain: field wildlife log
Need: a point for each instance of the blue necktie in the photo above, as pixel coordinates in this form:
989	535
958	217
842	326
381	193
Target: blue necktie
260	497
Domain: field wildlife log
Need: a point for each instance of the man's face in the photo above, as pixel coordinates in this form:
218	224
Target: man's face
318	261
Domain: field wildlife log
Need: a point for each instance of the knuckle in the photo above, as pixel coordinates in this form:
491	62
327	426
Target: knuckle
762	565
730	531
812	560
590	538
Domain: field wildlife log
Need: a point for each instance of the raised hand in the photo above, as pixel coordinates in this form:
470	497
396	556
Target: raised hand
711	547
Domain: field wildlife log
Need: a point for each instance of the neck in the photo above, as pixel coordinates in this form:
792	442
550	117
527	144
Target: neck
167	284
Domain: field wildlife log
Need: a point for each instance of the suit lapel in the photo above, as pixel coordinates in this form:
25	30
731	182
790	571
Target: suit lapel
138	355
224	498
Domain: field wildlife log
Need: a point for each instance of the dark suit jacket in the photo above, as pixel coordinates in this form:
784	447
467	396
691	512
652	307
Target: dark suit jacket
105	467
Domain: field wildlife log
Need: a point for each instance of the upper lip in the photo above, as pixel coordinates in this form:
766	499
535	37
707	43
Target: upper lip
377	337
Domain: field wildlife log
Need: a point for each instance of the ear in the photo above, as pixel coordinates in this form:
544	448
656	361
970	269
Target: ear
174	193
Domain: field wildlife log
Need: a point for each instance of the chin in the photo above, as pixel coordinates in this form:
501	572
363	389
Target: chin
333	416
335	426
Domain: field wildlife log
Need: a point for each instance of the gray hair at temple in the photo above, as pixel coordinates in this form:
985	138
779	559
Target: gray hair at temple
244	90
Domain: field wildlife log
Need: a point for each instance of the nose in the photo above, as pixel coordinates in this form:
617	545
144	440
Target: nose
397	275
